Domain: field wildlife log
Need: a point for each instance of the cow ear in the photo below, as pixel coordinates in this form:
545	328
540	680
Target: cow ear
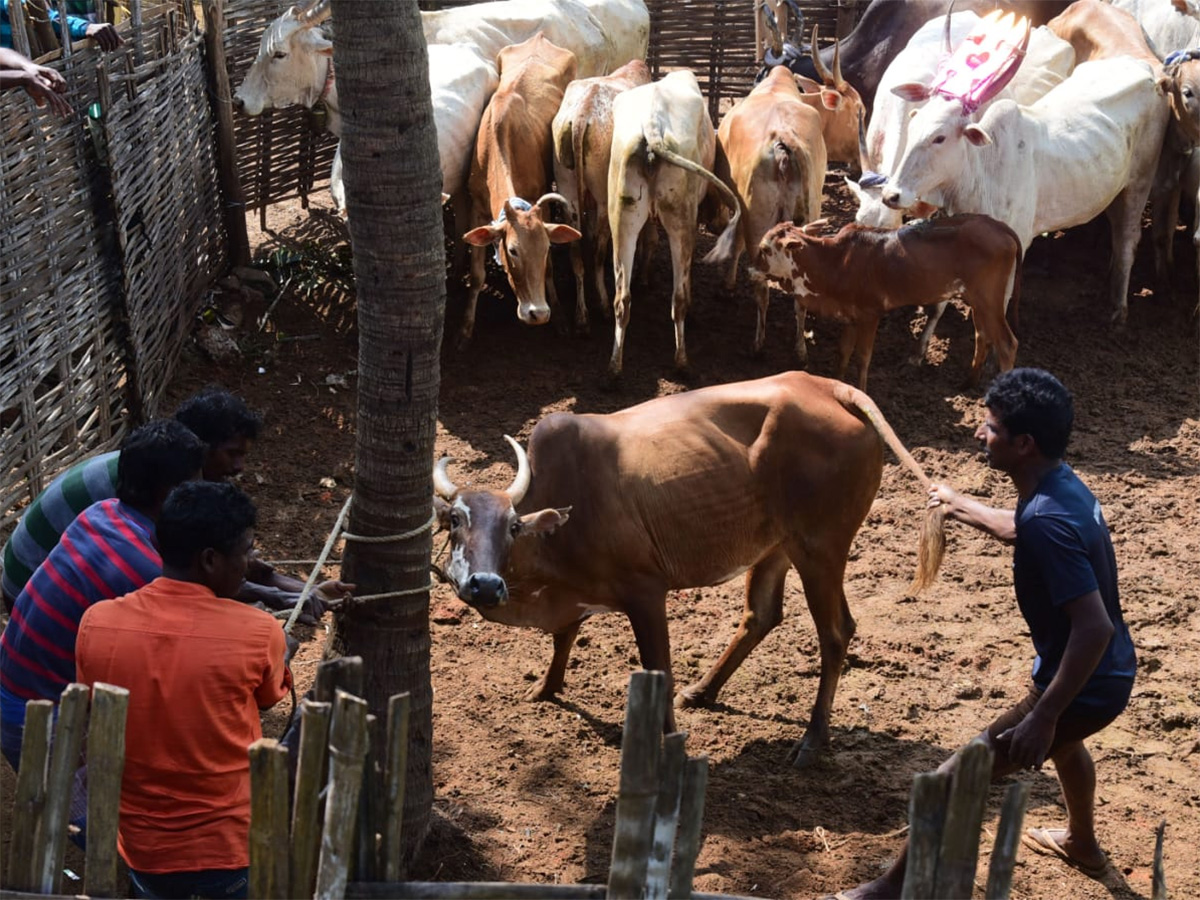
483	235
859	194
562	234
441	509
977	135
806	85
544	521
830	99
912	91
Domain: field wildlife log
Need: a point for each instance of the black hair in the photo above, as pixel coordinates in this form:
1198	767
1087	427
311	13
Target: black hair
1033	402
198	515
155	458
216	416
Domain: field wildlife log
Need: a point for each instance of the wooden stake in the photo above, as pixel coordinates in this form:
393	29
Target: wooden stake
268	820
344	673
1159	883
964	819
30	801
926	816
347	751
106	764
306	805
666	815
64	760
691	818
395	781
1008	839
638	793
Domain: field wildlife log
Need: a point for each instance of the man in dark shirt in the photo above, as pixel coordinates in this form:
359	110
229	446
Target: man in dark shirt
1065	575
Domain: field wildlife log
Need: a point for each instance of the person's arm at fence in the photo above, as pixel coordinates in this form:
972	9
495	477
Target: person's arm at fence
45	85
102	32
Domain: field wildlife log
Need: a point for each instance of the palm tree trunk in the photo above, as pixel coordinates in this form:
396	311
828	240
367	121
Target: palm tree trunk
393	182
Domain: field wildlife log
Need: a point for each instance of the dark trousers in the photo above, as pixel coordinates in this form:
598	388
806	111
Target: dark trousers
211	884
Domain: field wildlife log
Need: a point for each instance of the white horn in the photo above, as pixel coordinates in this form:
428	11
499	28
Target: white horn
315	14
551	196
445	488
516	490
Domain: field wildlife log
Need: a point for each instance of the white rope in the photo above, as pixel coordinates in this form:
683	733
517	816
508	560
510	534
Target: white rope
363	539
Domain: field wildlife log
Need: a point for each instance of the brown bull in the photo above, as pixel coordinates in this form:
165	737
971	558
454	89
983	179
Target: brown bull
860	273
683	491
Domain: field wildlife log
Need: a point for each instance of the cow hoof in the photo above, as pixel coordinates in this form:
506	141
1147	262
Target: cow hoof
693	698
1119	317
540	692
462	341
804	757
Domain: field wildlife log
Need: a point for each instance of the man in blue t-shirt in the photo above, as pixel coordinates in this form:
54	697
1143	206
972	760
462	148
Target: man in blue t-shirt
1065	575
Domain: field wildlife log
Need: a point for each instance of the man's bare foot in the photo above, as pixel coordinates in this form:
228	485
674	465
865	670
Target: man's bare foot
1091	861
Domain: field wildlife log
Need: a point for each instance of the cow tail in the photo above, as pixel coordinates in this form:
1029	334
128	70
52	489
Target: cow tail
1016	291
933	529
565	146
579	148
784	163
723	250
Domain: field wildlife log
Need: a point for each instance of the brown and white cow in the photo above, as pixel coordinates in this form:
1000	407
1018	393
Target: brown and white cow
773	156
860	273
611	512
512	162
1098	30
662	156
582	132
838	104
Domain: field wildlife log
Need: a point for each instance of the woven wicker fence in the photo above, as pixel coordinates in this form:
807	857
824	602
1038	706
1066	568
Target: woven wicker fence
112	233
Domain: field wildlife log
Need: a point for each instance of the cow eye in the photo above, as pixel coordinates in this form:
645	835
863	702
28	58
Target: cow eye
940	139
512	251
515	528
1187	92
454	520
280	54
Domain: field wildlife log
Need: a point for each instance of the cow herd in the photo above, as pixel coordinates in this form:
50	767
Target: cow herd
984	130
551	131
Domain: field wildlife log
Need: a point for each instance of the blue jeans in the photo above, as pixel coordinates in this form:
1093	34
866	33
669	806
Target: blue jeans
211	884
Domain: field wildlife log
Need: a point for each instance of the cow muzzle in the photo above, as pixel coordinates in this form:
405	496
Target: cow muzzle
533	313
483	590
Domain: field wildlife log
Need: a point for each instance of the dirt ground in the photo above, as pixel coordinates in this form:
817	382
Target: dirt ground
526	792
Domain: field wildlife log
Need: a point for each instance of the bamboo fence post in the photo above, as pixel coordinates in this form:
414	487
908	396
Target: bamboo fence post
964	818
1008	839
1159	882
666	815
268	820
135	21
64	760
306	806
926	816
20	30
344	673
106	764
638	792
395	781
30	798
847	17
42	32
691	817
222	102
347	751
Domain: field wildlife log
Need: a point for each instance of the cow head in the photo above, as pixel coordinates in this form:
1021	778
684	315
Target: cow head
523	238
1182	71
293	63
844	105
940	134
484	525
779	250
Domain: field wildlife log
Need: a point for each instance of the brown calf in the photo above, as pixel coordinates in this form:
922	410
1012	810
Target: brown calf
510	177
860	273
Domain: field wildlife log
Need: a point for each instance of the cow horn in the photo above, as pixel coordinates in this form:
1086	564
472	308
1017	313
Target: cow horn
442	485
838	81
520	484
949	10
551	196
864	158
815	53
315	14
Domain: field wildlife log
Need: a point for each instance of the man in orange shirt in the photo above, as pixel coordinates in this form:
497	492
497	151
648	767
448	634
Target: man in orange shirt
198	668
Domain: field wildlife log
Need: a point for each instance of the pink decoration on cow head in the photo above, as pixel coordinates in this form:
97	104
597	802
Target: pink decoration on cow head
984	62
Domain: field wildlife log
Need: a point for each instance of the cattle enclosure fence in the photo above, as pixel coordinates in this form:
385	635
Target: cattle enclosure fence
115	219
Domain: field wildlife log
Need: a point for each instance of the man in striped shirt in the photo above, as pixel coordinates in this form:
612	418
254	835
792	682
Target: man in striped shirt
220	419
109	550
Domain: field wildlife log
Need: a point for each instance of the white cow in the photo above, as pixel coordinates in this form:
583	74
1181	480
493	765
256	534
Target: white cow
1089	146
294	62
1048	61
663	147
